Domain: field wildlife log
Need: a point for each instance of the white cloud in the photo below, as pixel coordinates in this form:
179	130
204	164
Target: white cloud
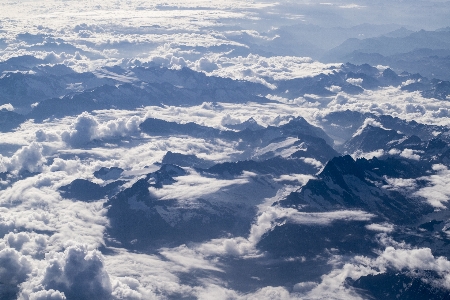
7	107
15	267
410	154
83	130
74	273
87	128
380	227
355	81
194	186
47	295
368	155
437	193
255	67
368	121
27	158
352	6
27	243
188	258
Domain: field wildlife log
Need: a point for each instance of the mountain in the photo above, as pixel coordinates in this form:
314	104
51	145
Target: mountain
185	160
248	139
140	220
424	52
250	124
86	190
372	138
386	45
10	120
403	285
342	126
346	188
348	184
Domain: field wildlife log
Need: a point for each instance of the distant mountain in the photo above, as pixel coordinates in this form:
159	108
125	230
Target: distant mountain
43	91
370	78
342	125
424	52
386	45
399	33
313	40
250	124
248	139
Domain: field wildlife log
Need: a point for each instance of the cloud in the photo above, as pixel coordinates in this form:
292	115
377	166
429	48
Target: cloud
355	81
78	273
86	128
47	295
279	293
436	193
333	284
27	243
381	227
7	106
410	154
368	121
83	130
15	267
400	184
27	158
204	64
255	68
352	6
188	258
194	186
268	218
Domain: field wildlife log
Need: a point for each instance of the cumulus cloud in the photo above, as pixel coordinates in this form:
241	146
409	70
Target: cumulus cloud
7	106
78	273
27	158
27	243
86	128
229	120
205	64
47	295
15	267
83	130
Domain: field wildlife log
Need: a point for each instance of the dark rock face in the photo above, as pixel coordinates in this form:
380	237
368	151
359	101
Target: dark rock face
403	285
348	184
139	220
85	190
184	160
108	173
